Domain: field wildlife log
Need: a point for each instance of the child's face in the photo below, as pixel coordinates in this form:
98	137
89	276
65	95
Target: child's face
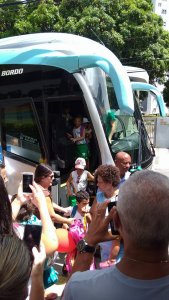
79	171
77	122
82	206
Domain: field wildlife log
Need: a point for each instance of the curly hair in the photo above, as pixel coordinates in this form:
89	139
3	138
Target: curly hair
108	173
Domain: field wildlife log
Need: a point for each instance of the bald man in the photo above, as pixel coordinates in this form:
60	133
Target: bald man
123	162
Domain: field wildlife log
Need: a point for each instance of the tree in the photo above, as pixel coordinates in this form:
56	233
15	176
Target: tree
40	19
127	27
166	93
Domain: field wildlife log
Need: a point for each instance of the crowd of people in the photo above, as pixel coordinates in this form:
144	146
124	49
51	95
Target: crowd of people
133	260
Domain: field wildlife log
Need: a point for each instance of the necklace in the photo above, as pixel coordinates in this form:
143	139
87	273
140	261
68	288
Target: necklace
145	261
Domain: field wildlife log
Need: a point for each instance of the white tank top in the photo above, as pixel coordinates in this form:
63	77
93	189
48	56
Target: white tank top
77	134
80	183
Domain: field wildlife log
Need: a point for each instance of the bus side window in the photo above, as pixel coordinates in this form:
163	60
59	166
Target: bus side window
21	133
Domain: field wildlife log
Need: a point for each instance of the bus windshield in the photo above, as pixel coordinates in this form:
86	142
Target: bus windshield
122	130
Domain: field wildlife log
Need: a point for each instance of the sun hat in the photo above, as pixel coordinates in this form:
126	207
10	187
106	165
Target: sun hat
80	163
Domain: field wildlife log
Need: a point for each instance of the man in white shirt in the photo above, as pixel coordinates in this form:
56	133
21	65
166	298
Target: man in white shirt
123	162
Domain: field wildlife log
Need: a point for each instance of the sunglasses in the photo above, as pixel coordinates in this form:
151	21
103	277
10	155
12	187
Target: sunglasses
51	176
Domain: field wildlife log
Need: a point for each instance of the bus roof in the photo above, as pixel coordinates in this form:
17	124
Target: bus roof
69	52
137	74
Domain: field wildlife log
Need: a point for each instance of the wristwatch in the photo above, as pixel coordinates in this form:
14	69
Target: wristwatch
83	247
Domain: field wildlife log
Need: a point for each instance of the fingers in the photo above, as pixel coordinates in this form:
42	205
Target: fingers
39	256
35	252
100	210
36	190
99	217
32	188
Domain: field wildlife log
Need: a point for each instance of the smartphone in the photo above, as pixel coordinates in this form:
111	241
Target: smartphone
27	179
113	229
32	236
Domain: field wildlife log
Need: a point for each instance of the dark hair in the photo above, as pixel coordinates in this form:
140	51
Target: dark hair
2	166
108	173
25	212
78	117
5	210
41	171
81	195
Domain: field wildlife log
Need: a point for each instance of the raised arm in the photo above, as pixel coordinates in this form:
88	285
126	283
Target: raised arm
59	208
19	200
69	183
90	177
37	287
49	236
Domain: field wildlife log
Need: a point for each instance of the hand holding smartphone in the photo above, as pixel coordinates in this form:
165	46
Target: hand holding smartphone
27	179
32	236
113	229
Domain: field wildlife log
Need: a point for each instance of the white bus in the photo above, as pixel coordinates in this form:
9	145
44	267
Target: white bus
44	75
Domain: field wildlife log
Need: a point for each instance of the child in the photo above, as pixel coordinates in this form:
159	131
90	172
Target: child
88	130
82	217
81	210
79	178
82	149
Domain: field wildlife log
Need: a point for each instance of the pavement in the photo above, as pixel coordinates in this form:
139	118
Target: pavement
59	287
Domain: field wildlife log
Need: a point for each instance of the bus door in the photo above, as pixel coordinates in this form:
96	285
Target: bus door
61	112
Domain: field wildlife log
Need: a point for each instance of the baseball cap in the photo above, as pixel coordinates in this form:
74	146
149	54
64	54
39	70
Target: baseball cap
80	163
85	120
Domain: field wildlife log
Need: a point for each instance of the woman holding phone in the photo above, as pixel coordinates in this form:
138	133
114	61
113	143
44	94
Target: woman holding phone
44	177
15	258
23	212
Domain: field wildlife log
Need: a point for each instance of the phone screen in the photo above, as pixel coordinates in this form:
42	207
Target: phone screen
32	236
27	179
113	230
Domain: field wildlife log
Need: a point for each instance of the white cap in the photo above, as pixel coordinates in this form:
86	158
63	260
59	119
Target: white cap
80	163
85	120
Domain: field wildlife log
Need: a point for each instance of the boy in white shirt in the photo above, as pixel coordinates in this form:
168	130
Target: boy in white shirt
81	210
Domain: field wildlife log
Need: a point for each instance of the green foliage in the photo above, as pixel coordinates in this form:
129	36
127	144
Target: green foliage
166	93
127	27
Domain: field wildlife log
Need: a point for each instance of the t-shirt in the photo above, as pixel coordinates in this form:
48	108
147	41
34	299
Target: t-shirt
77	215
77	132
125	177
100	197
112	284
80	183
110	117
